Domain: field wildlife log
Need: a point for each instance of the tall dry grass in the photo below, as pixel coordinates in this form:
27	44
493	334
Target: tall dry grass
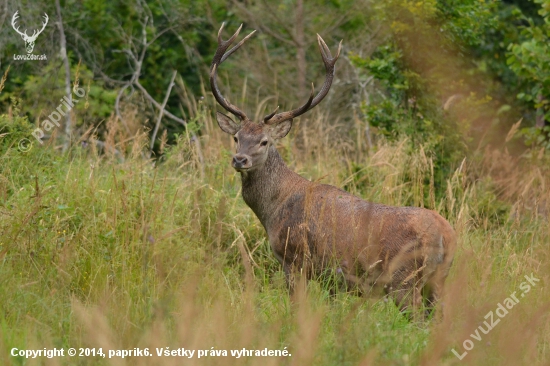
102	248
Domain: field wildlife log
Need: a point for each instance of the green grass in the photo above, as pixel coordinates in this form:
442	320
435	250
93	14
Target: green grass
98	252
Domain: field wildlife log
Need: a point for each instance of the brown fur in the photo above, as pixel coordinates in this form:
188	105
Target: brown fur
314	228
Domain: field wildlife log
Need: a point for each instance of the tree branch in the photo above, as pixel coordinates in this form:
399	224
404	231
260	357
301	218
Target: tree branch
68	123
134	80
157	105
263	27
159	119
4	13
117	107
272	12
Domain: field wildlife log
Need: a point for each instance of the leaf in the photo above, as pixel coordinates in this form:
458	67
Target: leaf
505	108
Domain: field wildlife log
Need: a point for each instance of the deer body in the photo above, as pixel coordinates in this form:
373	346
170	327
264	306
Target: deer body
316	228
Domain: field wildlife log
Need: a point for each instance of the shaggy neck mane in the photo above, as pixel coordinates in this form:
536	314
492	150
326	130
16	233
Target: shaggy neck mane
269	184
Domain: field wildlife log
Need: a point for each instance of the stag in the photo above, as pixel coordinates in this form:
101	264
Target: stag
29	40
316	228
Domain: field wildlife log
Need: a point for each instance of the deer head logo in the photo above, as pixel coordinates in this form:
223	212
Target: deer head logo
29	40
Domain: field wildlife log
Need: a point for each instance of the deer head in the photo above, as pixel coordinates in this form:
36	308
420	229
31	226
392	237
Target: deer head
254	139
29	40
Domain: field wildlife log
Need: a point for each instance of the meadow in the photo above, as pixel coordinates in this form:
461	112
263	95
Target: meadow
115	243
107	250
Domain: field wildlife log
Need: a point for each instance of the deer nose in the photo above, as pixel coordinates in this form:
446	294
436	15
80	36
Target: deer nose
240	161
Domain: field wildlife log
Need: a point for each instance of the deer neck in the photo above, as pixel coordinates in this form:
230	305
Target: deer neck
266	187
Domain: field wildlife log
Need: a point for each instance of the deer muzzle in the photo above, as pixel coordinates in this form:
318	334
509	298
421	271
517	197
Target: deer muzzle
241	162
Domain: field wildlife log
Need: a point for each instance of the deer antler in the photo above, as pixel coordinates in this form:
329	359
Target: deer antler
220	57
329	62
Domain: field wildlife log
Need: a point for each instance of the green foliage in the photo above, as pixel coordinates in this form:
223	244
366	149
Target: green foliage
537	137
465	22
13	130
386	65
102	34
510	42
529	59
405	108
94	107
141	250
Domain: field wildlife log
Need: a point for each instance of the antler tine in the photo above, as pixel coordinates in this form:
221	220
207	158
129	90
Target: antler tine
329	63
223	45
267	117
339	49
236	47
291	114
219	57
220	32
325	51
232	38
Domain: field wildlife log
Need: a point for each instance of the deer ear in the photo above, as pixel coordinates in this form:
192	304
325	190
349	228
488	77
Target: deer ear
227	124
280	130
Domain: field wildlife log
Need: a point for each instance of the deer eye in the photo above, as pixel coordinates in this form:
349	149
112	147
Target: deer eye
263	143
235	139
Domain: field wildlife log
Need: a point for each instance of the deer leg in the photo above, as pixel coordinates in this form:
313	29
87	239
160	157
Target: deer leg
353	284
434	288
433	293
406	293
290	277
408	298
